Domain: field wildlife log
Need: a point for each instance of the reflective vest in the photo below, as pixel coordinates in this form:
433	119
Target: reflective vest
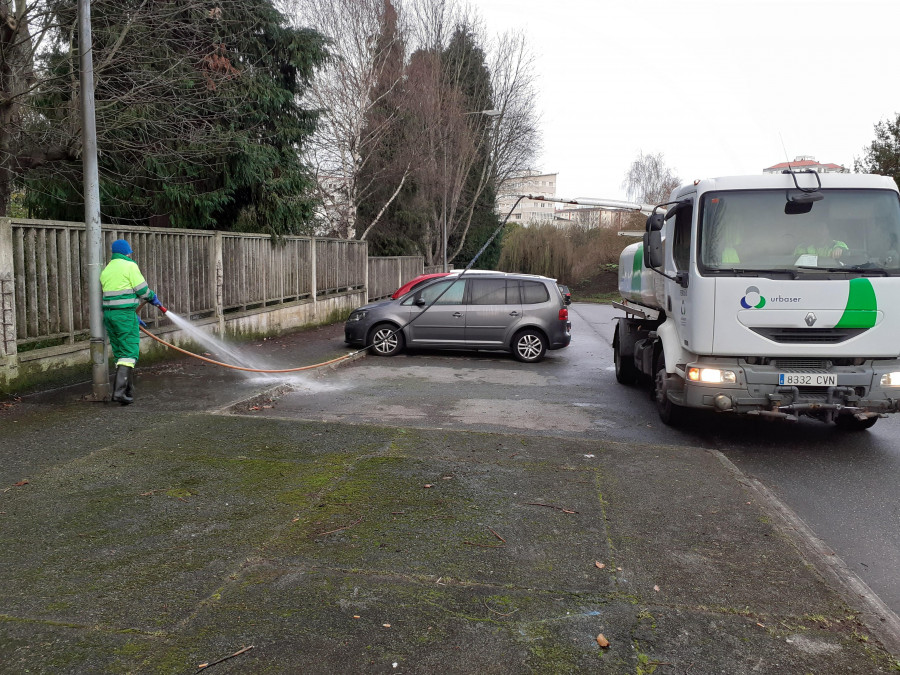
123	284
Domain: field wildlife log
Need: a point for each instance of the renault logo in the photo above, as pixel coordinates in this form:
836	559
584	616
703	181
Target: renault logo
810	319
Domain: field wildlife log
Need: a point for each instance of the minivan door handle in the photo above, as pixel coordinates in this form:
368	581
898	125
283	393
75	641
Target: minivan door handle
514	313
456	315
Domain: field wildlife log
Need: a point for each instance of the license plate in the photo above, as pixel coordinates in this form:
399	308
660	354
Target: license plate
807	379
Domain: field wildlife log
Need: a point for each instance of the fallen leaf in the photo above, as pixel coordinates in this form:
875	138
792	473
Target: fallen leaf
21	483
602	641
619	568
656	588
428	485
295	520
599	565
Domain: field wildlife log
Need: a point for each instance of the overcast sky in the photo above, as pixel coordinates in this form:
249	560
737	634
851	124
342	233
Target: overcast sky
717	87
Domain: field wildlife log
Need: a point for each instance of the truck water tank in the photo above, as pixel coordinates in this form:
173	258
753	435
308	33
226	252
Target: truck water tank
636	282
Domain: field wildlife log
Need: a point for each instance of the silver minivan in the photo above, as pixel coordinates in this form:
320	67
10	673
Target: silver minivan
521	313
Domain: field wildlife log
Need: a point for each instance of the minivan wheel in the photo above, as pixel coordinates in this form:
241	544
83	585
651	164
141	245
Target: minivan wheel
529	346
386	340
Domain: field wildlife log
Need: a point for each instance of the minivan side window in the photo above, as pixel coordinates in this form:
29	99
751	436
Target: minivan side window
453	296
487	292
534	293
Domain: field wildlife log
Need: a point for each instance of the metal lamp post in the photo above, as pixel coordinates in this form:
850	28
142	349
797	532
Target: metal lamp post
100	367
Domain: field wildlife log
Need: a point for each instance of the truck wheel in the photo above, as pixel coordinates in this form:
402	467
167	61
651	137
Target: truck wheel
386	340
670	414
626	373
850	423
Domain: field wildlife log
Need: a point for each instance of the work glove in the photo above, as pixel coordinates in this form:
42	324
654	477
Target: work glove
155	301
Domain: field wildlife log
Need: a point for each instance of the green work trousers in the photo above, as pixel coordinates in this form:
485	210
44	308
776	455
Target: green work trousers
124	333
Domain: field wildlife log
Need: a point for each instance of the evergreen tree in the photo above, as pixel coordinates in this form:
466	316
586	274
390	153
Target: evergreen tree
465	68
883	154
198	118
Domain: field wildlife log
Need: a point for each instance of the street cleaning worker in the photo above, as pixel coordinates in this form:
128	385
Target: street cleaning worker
123	290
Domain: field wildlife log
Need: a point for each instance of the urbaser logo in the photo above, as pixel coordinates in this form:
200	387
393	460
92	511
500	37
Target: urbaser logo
752	299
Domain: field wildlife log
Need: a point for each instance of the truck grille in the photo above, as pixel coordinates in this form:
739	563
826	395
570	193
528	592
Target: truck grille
799	365
809	335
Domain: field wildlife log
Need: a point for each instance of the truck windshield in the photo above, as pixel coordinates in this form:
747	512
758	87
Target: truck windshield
847	230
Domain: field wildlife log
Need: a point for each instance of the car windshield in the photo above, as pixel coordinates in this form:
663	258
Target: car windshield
749	231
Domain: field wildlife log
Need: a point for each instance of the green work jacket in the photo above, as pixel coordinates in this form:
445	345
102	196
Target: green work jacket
123	284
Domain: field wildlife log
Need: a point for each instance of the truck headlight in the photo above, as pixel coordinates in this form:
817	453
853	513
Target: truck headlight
890	380
357	316
713	376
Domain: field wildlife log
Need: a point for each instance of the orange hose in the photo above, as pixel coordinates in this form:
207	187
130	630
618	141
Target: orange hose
250	370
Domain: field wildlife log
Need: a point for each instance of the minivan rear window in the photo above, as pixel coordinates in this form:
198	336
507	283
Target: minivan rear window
534	293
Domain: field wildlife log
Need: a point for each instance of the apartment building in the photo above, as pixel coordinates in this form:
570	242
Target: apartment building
528	211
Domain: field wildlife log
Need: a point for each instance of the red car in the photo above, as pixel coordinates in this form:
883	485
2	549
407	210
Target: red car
413	283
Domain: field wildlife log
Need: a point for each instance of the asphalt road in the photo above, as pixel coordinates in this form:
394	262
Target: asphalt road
843	485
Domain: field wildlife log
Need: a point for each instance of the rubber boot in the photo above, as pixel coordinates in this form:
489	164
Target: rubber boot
129	385
120	390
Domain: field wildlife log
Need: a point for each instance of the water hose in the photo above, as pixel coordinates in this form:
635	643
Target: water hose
351	354
249	370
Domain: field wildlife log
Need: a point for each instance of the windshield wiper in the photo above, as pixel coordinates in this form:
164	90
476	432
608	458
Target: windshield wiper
864	269
817	268
754	272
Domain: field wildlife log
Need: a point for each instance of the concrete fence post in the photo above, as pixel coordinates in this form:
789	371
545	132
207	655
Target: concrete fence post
365	259
9	360
217	281
312	266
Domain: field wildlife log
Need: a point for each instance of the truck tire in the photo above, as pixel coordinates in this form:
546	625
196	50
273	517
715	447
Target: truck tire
671	414
850	423
626	373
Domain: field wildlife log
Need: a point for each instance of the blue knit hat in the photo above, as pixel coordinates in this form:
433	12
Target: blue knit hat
121	246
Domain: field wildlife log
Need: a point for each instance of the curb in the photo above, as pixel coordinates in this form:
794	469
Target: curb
874	613
244	405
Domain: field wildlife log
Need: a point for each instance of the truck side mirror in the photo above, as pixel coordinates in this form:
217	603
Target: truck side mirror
653	249
655	222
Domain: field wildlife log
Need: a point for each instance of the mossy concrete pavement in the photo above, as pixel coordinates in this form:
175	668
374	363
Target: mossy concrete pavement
167	534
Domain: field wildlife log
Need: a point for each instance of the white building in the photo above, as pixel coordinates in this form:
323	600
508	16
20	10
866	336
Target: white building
806	163
528	211
592	216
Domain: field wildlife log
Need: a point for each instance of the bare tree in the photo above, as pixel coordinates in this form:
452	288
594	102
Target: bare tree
24	27
364	73
649	180
487	125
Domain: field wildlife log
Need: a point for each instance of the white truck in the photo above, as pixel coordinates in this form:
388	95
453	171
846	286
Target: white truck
772	295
